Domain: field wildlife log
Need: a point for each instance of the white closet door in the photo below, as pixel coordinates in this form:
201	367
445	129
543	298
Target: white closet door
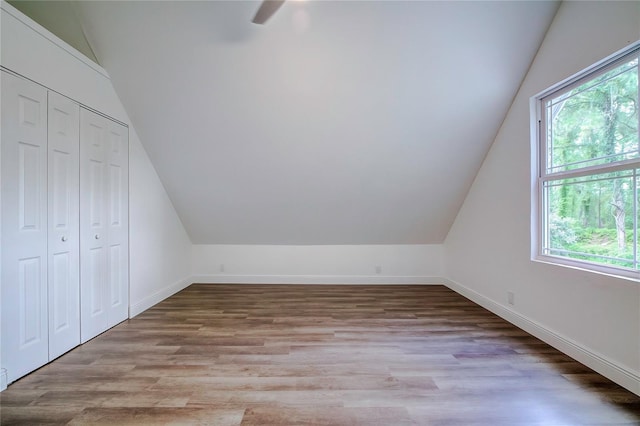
118	224
64	231
104	224
24	226
94	290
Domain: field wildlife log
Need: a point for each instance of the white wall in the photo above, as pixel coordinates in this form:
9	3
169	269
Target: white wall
160	248
328	264
594	318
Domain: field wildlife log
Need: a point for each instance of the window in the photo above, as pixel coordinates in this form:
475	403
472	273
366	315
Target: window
588	169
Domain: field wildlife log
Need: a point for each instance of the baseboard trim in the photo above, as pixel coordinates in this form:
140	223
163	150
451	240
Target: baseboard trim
625	377
316	279
158	296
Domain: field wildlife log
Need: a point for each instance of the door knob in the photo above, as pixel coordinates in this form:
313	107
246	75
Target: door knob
97	237
64	238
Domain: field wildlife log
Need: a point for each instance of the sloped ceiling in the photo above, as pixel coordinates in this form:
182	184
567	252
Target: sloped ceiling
349	122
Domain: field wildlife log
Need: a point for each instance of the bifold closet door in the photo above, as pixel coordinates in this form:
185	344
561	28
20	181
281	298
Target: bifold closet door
64	230
118	221
104	250
24	226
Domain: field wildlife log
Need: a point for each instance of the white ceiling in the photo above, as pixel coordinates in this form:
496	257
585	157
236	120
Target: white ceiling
349	122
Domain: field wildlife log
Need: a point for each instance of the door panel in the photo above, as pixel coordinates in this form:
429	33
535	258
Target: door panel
30	178
30	290
104	223
118	146
93	230
115	274
96	284
30	111
60	320
96	194
63	218
24	345
115	192
61	165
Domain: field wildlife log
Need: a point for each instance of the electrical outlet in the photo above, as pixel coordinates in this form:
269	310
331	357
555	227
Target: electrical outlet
378	269
511	298
222	267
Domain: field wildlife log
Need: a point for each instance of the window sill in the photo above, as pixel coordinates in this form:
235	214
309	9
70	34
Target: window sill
625	274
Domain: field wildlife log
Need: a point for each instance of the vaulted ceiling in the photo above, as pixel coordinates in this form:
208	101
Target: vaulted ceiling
351	122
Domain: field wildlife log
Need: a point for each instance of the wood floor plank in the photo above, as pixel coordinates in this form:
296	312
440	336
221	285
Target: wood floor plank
158	415
321	355
319	416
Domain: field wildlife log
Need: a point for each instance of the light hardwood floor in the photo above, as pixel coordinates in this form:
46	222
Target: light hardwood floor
343	355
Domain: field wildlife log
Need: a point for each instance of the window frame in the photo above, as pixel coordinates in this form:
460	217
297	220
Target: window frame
540	172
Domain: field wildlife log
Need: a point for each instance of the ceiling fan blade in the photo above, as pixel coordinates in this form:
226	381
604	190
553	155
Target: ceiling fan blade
267	8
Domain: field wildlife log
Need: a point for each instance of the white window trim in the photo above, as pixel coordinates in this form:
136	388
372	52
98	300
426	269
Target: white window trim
538	168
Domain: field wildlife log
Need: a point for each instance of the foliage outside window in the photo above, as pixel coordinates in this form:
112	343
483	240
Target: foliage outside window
589	176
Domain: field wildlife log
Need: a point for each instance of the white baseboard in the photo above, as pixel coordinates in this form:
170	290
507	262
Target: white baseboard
315	279
620	374
157	297
3	379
